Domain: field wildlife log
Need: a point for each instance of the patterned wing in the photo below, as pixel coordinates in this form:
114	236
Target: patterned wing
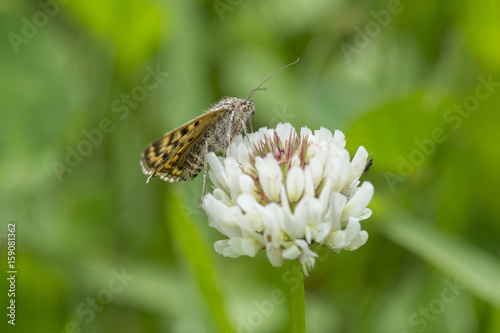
165	157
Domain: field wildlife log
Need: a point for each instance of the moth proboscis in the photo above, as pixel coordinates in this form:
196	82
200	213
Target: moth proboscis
180	154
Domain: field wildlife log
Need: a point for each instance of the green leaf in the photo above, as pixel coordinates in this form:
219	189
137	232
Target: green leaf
477	269
391	131
195	248
132	28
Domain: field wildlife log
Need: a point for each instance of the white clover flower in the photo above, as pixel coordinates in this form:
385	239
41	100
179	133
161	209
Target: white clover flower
283	192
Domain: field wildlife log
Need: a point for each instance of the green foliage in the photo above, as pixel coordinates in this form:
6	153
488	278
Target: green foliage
86	85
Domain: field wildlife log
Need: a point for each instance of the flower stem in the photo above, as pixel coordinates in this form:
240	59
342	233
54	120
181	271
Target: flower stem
297	304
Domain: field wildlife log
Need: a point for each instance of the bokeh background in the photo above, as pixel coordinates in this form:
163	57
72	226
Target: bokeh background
86	85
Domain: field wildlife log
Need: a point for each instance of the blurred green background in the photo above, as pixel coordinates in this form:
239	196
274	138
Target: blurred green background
86	85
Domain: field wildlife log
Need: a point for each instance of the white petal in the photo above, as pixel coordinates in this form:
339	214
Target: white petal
223	218
243	155
324	196
323	134
320	151
252	226
217	211
270	176
367	212
308	263
255	137
307	259
285	132
336	241
237	246
292	252
358	241
233	173
217	173
295	183
305	131
288	222
246	184
315	167
238	140
356	205
312	151
336	207
295	160
332	171
352	229
250	246
274	255
319	231
273	217
248	203
309	221
338	169
349	239
232	150
222	247
339	139
296	228
358	164
248	169
309	189
222	197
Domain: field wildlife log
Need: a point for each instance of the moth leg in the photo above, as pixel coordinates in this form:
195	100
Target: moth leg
245	127
250	123
230	131
205	172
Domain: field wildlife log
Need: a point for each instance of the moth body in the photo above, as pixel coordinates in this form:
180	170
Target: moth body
180	154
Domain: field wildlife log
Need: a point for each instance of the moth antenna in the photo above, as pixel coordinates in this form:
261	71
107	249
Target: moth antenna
267	78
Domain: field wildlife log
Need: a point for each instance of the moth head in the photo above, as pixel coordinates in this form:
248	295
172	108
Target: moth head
247	107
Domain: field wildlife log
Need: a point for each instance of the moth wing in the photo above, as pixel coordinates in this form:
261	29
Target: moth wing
166	155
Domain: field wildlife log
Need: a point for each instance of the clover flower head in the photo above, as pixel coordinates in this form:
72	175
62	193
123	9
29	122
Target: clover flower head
283	192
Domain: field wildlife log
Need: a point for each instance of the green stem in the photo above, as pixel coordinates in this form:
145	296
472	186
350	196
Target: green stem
297	304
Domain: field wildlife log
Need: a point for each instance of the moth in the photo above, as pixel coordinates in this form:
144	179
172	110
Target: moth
180	154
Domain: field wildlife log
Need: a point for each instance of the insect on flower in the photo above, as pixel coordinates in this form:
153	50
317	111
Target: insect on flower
368	164
180	154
